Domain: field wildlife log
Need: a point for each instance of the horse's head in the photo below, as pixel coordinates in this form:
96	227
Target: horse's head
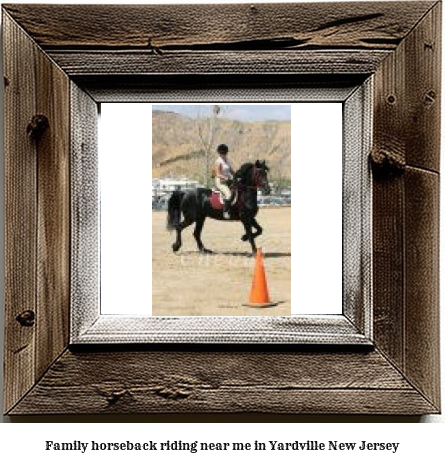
260	171
254	175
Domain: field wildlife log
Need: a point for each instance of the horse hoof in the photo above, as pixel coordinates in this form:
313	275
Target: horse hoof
206	251
244	238
175	247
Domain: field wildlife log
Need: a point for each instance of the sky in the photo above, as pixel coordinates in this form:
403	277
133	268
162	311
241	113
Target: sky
252	112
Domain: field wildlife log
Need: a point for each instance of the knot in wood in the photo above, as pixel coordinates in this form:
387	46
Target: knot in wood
37	126
115	396
430	97
26	318
173	393
386	163
155	50
112	395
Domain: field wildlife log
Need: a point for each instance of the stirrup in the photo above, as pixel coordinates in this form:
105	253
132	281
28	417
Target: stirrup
226	210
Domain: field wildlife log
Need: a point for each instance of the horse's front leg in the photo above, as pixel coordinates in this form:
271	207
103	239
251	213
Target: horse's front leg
259	229
258	232
247	223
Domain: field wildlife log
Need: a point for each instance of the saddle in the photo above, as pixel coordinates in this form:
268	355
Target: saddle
217	199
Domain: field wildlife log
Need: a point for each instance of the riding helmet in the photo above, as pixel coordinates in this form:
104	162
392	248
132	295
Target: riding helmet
222	148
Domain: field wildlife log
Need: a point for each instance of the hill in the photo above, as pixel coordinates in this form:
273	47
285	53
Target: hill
179	145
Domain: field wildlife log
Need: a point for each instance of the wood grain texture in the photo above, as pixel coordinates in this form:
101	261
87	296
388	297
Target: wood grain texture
210	87
261	89
357	209
222	382
389	142
37	218
348	25
268	38
99	63
407	113
422	281
423	91
53	198
388	268
406	132
84	233
20	213
397	41
89	327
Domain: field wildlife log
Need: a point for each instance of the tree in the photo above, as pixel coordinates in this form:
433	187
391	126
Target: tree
207	128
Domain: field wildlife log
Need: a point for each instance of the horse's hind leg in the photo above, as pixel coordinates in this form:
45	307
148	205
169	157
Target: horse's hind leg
197	234
182	225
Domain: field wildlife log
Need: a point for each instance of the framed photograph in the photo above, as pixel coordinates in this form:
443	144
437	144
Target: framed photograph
289	260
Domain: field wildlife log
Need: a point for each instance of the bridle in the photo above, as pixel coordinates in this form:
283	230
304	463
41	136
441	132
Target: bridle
256	180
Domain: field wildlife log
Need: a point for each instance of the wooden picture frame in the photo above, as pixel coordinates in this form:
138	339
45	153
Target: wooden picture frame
82	54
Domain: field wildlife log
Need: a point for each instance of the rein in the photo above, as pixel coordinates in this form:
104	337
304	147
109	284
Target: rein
246	186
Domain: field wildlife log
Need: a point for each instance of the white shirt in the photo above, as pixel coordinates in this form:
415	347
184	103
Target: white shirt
225	167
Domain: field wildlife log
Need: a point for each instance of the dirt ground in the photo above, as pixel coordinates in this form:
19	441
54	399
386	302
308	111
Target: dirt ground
187	283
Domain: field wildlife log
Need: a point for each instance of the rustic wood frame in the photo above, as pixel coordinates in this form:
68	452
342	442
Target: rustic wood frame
104	49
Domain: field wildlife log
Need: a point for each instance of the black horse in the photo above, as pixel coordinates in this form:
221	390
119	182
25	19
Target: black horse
198	204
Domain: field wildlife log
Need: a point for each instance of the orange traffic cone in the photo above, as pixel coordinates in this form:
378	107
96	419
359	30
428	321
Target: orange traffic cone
259	295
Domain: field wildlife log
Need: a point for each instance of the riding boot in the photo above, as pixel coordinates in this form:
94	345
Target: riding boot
226	209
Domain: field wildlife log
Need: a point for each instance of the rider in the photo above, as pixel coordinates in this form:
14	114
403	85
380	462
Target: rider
223	175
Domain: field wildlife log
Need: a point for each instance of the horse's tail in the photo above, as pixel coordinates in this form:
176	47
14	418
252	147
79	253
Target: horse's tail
174	210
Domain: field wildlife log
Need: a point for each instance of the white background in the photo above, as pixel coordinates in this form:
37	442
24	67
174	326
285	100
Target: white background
24	443
125	183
